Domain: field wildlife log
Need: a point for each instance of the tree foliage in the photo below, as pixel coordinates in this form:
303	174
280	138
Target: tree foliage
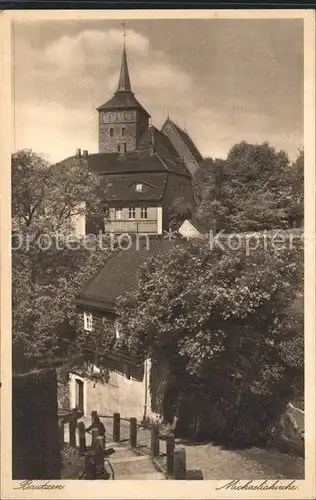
48	265
220	315
254	188
179	211
45	196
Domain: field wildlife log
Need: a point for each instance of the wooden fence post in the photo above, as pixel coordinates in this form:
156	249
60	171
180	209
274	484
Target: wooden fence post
116	427
179	463
94	414
154	439
82	437
95	435
133	432
170	455
62	431
72	431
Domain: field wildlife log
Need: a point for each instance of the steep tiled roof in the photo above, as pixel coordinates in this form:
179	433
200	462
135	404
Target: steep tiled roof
161	143
124	80
123	187
120	273
164	159
189	143
124	97
186	139
122	100
134	161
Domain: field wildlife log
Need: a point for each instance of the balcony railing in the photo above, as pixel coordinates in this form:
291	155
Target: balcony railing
131	226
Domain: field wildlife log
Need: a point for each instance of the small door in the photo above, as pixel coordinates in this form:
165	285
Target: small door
79	395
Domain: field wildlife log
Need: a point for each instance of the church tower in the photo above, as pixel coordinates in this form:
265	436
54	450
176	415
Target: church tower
122	119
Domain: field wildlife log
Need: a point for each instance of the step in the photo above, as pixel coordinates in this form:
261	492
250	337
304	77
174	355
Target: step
134	458
145	476
132	469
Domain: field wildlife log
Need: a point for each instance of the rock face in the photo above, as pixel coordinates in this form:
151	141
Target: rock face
290	431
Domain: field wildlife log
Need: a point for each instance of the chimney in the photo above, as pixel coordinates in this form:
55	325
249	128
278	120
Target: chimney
78	153
152	141
85	154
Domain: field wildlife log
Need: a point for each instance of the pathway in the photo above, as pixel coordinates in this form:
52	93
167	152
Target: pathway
214	462
218	463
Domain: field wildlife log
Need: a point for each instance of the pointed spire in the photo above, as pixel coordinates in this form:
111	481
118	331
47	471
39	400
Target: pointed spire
124	81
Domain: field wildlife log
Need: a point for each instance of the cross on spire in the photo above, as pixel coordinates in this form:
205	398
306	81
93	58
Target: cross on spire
124	30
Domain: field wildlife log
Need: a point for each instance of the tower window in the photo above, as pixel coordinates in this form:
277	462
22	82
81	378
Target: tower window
111	132
143	213
131	213
123	131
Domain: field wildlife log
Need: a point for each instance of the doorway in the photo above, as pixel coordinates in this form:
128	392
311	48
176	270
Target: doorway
79	396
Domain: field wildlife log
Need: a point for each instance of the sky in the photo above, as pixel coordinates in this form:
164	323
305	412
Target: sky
223	80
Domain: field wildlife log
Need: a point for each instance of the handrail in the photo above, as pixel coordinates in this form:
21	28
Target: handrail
111	416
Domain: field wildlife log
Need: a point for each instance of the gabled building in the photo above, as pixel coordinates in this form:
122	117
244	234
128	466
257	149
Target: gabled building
128	388
143	169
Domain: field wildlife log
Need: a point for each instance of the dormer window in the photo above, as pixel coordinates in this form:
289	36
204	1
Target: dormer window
139	187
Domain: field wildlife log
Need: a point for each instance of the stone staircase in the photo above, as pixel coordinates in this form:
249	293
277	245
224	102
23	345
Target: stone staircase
127	463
